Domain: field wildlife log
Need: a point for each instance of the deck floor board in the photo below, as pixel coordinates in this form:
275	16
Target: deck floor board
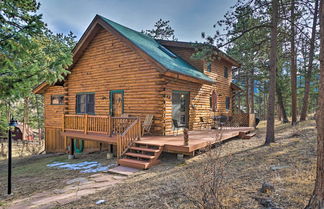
197	139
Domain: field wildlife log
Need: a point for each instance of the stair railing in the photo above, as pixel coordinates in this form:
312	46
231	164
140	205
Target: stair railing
125	139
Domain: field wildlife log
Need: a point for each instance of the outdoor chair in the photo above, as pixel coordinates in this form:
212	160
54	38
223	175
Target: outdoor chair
203	122
147	124
222	120
125	115
175	126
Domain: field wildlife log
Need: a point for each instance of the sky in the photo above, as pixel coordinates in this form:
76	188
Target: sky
187	17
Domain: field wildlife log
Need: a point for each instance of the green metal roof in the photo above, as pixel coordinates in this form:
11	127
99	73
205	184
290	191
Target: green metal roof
158	52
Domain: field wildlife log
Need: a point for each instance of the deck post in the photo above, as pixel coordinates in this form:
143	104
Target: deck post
71	154
185	137
110	153
63	122
139	128
109	125
85	123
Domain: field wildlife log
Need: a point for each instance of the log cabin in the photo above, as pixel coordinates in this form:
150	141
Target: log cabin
116	71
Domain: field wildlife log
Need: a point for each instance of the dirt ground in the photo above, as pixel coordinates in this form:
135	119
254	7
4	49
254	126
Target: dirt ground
289	165
31	174
249	167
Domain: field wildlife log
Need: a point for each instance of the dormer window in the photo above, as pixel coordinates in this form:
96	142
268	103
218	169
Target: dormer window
167	51
209	67
225	72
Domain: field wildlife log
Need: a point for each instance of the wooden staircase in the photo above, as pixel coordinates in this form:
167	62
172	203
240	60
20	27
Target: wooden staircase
141	156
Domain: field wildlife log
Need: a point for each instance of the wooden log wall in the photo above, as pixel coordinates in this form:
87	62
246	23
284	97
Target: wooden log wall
53	123
109	64
199	105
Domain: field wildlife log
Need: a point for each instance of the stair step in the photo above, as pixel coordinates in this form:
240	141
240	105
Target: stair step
139	155
249	135
144	149
133	163
148	144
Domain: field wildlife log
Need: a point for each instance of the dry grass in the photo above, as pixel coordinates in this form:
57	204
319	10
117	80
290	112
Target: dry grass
162	186
250	166
31	174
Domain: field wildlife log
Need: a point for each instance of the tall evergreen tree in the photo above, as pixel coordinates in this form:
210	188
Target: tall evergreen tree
162	30
317	199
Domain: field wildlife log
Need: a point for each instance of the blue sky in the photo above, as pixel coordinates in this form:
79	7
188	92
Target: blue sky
187	17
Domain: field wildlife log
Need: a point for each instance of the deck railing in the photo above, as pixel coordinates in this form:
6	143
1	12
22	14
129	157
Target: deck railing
125	139
120	124
99	124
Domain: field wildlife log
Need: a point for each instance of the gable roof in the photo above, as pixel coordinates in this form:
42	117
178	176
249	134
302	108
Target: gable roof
191	45
158	52
173	66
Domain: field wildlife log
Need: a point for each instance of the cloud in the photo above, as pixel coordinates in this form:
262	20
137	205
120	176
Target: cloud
188	17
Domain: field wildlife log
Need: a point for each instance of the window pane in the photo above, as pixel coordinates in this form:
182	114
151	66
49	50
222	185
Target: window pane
225	72
57	99
85	103
228	102
214	101
90	103
209	67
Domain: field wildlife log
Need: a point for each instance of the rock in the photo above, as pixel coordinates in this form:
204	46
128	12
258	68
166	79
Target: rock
274	168
110	156
71	157
77	180
99	202
267	188
180	157
266	203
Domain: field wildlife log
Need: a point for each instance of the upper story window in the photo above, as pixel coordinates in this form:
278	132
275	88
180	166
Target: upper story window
57	99
85	103
167	51
213	101
209	67
228	103
225	72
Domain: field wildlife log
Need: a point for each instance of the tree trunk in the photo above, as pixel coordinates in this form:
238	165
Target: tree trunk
38	119
281	105
264	102
270	137
293	67
279	112
247	94
25	118
308	76
251	92
317	199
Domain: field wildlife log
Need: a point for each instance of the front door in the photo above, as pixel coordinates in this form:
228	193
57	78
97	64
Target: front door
180	107
117	102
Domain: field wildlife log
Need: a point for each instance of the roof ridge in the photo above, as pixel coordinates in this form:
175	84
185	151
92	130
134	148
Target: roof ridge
111	21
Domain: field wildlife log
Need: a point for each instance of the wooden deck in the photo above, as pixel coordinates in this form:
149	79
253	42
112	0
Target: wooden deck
174	144
197	139
91	136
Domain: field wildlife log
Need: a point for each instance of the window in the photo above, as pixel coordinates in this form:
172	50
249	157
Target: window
85	103
57	99
225	72
209	67
228	103
213	101
167	51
